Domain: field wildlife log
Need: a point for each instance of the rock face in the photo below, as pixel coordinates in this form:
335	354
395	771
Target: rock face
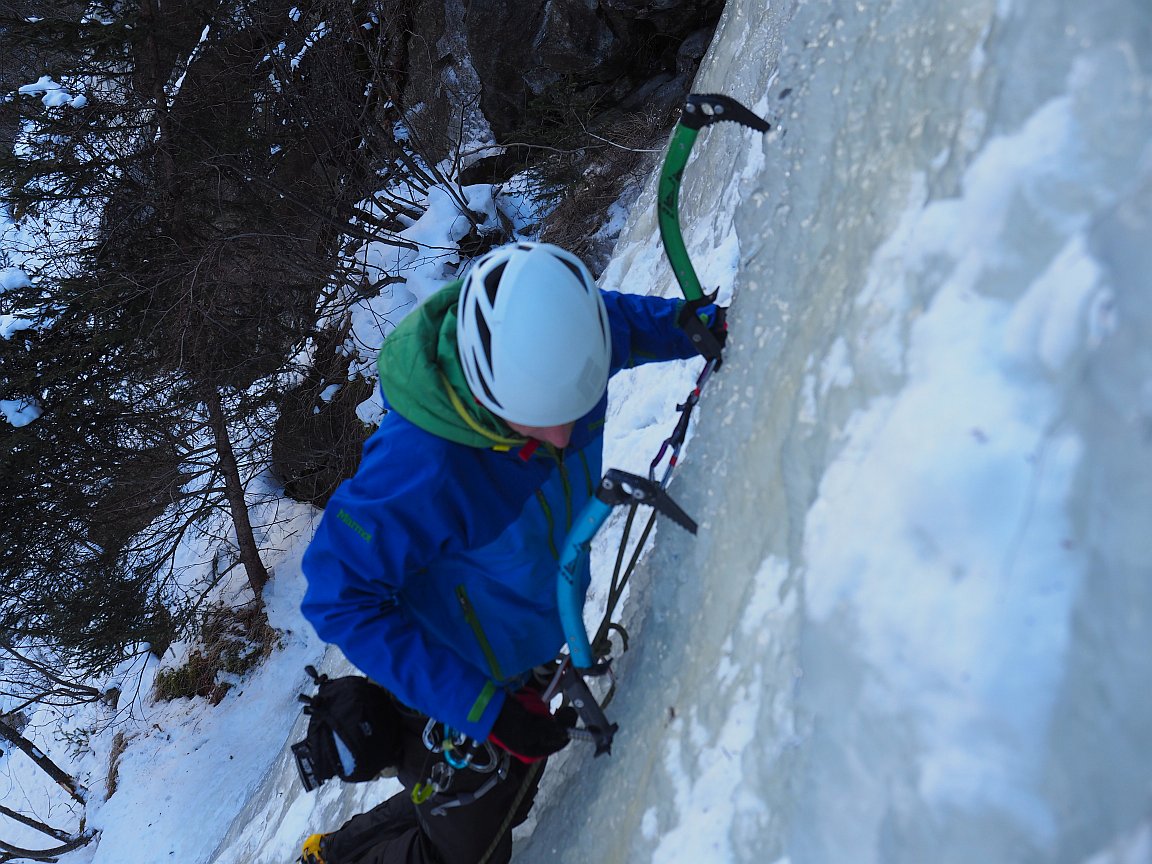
516	61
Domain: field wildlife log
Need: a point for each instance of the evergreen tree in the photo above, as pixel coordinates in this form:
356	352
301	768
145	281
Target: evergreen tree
188	185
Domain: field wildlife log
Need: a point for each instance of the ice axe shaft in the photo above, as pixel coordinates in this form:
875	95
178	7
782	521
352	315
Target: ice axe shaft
617	487
699	111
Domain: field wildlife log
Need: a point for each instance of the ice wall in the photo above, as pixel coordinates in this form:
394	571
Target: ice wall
914	626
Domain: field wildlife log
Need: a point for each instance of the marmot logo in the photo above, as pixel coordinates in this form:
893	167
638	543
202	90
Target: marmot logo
347	519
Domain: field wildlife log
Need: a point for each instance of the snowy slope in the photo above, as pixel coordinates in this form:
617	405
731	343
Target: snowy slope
914	625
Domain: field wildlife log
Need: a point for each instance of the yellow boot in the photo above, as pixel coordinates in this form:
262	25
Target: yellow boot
313	850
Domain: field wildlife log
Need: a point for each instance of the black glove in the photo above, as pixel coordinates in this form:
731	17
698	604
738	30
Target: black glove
718	326
529	733
707	327
716	320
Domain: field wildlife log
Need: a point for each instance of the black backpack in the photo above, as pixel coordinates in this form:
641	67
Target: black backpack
353	731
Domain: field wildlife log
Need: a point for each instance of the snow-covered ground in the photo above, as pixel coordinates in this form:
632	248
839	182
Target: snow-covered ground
914	626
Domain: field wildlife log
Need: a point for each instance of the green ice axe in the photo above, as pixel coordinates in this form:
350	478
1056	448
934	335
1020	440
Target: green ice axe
699	111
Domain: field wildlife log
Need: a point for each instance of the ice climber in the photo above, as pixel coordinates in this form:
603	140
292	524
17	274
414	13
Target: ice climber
434	567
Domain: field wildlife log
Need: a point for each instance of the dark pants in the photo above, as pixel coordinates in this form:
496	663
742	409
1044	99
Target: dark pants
400	832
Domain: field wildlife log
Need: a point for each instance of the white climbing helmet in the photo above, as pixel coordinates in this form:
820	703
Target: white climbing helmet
533	334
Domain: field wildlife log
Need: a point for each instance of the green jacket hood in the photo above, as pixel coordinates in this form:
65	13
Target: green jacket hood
422	378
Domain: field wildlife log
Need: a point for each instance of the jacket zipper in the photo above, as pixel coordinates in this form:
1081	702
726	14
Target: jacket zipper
543	501
474	622
587	473
565	482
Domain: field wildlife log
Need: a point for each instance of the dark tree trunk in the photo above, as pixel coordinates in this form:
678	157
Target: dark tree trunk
8	852
62	777
54	833
234	492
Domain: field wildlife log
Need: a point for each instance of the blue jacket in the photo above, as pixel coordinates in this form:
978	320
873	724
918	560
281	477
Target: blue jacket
434	568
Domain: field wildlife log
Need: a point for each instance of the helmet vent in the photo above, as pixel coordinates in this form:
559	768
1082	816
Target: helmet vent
484	384
485	339
492	282
575	270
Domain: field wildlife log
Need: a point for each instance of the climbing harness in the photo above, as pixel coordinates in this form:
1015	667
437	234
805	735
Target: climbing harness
458	752
591	658
458	749
462	753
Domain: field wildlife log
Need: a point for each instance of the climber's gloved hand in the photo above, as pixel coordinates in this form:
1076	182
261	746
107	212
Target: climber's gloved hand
707	327
527	729
717	322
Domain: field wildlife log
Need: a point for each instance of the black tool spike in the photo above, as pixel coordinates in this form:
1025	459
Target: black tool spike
704	109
